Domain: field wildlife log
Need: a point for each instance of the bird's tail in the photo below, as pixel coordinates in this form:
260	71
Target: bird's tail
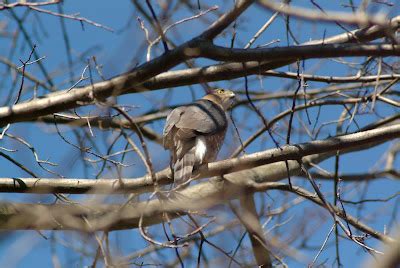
183	168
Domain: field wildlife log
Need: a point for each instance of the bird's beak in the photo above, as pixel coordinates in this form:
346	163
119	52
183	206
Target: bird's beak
232	99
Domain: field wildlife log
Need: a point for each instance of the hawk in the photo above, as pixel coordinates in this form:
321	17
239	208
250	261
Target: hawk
194	133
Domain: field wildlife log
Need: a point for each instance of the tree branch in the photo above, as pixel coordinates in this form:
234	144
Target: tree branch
67	99
293	53
116	217
344	143
359	18
249	218
131	82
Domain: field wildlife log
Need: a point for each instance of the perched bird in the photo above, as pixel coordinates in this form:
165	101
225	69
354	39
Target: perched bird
194	133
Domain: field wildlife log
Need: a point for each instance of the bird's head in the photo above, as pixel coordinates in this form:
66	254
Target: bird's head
223	97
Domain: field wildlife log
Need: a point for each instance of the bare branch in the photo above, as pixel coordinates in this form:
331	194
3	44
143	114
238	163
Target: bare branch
359	18
4	6
289	152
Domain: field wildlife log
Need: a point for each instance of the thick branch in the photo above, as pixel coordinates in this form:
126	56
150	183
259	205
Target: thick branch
145	184
67	99
359	18
64	100
116	217
200	196
210	51
235	70
334	79
130	82
249	218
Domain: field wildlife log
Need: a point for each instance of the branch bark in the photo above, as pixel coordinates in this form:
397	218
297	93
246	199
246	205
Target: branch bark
359	18
134	80
343	143
67	99
235	70
292	53
249	218
201	196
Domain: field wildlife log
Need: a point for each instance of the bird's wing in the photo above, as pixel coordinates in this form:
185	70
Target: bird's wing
170	123
183	125
172	119
202	116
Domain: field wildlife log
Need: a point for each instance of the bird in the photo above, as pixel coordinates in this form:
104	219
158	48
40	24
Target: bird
194	133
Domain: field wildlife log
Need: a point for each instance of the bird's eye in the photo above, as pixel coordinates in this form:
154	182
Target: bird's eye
220	91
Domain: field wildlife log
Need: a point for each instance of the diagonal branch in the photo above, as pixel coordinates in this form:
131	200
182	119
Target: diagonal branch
201	196
210	51
344	143
133	81
359	18
67	99
249	218
235	70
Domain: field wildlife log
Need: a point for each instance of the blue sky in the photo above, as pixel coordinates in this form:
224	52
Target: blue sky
116	51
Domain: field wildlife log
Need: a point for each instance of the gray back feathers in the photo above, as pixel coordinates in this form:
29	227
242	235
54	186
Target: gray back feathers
183	125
